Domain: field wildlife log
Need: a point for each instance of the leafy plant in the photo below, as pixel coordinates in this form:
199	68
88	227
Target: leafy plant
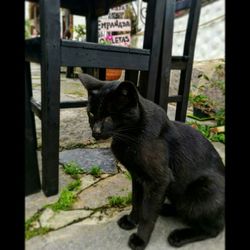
95	171
120	201
206	130
27	29
73	169
67	197
219	117
130	13
80	29
202	102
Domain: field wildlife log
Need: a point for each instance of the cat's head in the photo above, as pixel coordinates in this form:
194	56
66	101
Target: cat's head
112	105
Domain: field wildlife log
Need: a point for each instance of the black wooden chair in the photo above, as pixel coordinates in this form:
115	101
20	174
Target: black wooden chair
154	62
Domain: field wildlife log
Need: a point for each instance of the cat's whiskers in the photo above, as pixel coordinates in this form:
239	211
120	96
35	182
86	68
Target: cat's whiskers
125	138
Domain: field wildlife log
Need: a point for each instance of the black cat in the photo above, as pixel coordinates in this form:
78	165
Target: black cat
165	159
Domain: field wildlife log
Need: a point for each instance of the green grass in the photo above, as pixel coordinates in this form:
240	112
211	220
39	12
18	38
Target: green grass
95	171
65	201
128	175
32	232
35	232
67	197
120	201
73	169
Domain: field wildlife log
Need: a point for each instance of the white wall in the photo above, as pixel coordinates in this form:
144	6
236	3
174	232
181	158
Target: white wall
210	42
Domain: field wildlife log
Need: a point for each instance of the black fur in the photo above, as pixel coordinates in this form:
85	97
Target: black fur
165	159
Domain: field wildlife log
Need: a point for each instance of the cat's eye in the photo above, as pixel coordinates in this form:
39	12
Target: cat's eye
91	115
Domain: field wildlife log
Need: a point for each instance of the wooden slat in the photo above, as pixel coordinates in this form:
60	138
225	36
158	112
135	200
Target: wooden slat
182	5
103	56
32	179
82	7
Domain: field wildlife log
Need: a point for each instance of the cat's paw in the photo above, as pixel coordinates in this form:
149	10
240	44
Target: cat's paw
175	238
136	243
125	223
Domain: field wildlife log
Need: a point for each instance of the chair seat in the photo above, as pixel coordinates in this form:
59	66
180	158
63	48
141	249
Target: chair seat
83	7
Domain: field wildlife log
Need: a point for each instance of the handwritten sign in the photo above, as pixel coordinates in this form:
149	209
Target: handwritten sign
114	25
121	40
120	9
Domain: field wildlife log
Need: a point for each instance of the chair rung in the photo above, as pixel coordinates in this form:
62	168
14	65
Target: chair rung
179	62
175	98
36	107
73	104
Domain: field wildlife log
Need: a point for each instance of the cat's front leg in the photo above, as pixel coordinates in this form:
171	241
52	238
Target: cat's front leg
130	221
153	198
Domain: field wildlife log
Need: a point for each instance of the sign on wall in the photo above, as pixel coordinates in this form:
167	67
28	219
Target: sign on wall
120	40
114	25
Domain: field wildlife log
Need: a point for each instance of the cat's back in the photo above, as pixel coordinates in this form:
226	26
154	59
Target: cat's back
192	149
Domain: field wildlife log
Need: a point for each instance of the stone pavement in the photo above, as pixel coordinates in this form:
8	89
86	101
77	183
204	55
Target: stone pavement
90	220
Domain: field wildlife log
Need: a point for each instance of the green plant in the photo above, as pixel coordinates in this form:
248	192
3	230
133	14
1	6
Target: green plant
107	40
95	171
120	201
73	169
128	175
202	102
30	231
131	14
80	29
67	197
219	117
27	29
206	130
65	201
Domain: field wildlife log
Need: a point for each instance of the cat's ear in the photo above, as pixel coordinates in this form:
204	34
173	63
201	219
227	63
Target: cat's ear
126	95
90	82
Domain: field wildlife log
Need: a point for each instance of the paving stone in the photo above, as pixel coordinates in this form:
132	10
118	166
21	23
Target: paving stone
87	158
97	195
220	147
109	236
60	219
88	180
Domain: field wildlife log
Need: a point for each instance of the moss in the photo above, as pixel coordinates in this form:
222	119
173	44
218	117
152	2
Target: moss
39	231
30	231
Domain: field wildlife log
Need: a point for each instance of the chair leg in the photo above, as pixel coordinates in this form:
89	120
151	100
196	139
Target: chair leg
32	180
152	38
132	75
166	55
189	48
50	80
